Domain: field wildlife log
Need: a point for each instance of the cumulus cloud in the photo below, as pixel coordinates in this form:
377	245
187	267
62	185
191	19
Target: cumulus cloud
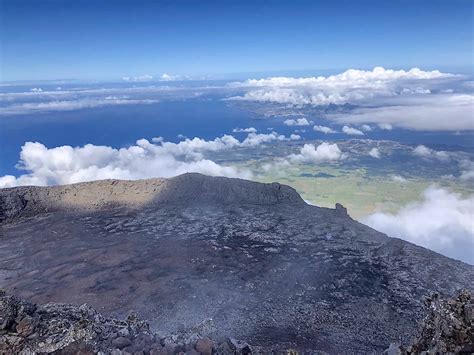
325	152
66	164
298	122
145	159
245	130
413	99
366	128
350	86
374	153
323	129
352	131
425	152
254	139
295	137
441	221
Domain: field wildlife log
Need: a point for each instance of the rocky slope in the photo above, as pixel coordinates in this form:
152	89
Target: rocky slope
66	329
255	258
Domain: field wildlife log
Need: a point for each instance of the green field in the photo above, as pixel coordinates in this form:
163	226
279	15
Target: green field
359	190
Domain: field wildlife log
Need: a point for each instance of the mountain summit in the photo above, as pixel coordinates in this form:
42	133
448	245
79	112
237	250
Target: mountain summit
255	258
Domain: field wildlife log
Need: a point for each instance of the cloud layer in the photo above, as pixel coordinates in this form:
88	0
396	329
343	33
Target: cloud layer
441	221
350	86
413	99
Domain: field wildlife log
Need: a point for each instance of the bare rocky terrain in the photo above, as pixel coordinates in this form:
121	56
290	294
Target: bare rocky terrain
266	267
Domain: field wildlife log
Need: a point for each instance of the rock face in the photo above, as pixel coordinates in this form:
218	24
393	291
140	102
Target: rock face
255	258
447	328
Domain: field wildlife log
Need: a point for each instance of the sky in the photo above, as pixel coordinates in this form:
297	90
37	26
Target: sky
107	40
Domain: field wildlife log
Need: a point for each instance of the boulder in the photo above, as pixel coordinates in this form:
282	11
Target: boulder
26	326
204	346
121	342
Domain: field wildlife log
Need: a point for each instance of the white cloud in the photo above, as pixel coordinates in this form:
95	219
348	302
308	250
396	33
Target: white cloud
366	128
254	139
36	89
467	169
422	151
25	102
70	105
245	130
385	126
140	78
168	77
399	178
441	221
66	164
295	137
352	86
436	112
413	99
374	153
145	159
425	152
352	131
323	129
298	122
324	152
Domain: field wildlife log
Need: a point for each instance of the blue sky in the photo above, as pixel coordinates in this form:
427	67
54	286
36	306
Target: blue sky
99	39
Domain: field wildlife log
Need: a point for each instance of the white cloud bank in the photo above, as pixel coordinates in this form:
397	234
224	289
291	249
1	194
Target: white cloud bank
441	221
413	99
324	152
350	86
434	112
145	159
66	164
71	105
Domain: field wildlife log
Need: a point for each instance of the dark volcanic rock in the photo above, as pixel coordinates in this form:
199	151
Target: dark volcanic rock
448	327
66	329
262	264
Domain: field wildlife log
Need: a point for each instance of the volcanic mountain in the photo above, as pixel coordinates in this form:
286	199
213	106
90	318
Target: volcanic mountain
255	258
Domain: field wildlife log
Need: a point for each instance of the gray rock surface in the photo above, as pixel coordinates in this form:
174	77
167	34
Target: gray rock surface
255	258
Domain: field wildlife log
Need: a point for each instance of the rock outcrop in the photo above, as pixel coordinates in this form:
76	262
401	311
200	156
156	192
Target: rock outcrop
262	264
447	327
28	328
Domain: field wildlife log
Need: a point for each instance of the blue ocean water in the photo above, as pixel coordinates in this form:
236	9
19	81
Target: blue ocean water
120	126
